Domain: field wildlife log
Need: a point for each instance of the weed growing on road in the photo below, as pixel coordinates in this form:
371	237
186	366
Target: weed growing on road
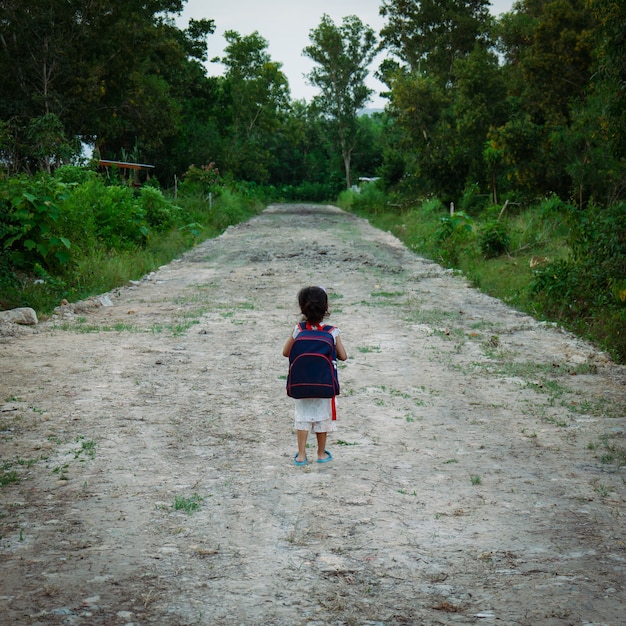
366	349
609	451
187	504
8	477
86	447
9	473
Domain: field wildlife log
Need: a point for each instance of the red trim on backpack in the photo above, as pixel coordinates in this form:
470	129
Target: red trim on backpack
333	403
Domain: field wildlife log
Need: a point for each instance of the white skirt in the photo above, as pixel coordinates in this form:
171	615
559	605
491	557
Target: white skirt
314	415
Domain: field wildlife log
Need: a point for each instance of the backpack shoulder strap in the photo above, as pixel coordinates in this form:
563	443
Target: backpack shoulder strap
307	326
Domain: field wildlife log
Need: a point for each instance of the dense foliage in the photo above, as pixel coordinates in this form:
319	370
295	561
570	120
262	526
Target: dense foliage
520	111
75	233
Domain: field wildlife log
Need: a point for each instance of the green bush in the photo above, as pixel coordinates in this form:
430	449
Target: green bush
104	215
29	223
201	180
493	239
160	213
453	236
74	174
370	199
119	221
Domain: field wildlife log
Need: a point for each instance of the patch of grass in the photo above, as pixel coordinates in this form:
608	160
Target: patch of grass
6	478
181	328
602	490
187	504
475	480
386	294
367	349
599	407
432	317
8	473
610	451
557	422
61	471
88	448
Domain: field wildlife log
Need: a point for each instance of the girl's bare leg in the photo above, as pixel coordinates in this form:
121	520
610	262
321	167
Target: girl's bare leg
302	437
321	445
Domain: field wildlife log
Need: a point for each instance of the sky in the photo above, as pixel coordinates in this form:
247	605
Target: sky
285	25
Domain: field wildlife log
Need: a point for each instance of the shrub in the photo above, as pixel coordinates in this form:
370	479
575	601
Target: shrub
454	233
370	199
493	239
29	230
106	215
458	226
200	180
74	174
160	213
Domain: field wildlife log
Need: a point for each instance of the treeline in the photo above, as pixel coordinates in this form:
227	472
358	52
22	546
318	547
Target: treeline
518	106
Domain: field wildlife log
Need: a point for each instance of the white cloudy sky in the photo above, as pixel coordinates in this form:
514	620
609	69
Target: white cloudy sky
285	25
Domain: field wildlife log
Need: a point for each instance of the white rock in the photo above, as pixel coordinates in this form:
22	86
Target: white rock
23	315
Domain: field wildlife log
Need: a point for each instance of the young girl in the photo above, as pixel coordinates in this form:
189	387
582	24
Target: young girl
314	414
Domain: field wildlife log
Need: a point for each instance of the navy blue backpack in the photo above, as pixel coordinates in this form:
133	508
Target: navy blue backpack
313	364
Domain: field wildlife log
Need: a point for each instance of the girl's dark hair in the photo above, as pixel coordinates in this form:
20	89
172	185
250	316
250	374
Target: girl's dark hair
313	303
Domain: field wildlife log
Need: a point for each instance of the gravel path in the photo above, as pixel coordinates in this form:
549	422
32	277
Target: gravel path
147	449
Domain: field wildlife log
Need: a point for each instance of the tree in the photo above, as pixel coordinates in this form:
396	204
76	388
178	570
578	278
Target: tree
548	63
445	89
342	54
603	116
105	68
428	36
258	93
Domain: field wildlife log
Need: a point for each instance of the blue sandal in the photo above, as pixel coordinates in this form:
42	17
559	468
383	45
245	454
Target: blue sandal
295	456
328	458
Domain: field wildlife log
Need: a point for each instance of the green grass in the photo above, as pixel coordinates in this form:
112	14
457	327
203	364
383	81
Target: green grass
366	349
8	477
187	504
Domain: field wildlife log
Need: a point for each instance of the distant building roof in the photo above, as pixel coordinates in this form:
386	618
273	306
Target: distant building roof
126	166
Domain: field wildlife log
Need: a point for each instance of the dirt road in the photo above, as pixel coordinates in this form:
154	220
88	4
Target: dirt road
147	450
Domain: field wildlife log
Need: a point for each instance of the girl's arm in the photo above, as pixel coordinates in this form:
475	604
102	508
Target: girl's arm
287	346
342	355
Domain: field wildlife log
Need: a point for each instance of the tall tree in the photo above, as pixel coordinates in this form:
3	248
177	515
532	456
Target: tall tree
259	98
444	88
604	117
100	67
428	36
343	55
548	62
